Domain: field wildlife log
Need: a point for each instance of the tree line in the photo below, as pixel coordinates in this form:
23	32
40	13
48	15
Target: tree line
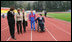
50	6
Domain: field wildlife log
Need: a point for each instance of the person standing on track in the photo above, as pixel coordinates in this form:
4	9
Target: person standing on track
11	22
19	20
32	18
45	13
24	20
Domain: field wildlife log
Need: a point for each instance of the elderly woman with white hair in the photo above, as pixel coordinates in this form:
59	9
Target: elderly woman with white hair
19	20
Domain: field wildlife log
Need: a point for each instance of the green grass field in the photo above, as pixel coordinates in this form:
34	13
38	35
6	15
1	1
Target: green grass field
62	16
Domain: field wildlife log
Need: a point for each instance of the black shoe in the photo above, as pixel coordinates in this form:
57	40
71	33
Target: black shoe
43	30
24	31
37	30
14	38
18	33
21	32
40	31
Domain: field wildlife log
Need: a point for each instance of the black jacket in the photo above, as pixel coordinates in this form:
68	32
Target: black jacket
10	17
40	21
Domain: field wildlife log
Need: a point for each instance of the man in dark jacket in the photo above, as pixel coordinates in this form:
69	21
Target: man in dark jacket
11	22
40	23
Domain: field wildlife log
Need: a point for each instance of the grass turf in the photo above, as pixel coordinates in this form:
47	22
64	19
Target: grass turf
62	16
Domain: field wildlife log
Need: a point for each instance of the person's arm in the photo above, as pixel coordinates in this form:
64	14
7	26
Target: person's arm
8	15
13	13
36	20
43	19
15	18
26	16
34	16
29	17
22	17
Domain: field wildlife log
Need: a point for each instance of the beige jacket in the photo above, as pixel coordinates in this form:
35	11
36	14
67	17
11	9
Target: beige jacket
19	17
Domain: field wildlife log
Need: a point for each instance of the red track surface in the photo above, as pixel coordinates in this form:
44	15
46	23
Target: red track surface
55	30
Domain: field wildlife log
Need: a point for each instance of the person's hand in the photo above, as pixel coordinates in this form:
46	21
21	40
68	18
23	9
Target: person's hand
22	22
36	21
16	22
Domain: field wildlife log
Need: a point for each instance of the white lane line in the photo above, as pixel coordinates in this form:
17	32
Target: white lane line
58	21
61	20
51	34
60	28
31	35
4	28
4	22
10	36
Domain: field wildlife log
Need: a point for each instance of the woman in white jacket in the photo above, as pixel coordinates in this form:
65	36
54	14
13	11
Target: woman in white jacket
19	20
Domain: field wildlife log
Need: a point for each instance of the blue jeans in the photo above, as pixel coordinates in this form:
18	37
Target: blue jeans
33	25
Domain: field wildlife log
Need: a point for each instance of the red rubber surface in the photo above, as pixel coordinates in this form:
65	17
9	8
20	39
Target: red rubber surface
55	30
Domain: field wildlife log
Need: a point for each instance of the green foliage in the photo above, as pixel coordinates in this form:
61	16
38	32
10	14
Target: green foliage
62	16
50	6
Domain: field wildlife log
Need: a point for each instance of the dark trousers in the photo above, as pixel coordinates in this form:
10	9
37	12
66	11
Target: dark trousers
12	29
19	26
24	25
38	27
41	27
45	14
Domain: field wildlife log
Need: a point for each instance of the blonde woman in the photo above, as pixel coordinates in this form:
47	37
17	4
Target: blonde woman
19	20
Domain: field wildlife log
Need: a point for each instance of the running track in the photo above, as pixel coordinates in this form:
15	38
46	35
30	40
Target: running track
55	30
